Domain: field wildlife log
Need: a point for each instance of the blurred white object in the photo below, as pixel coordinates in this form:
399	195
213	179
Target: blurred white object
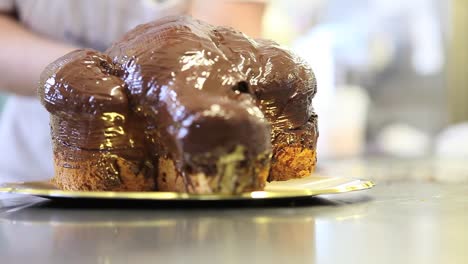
342	110
317	50
284	21
25	141
451	153
402	140
453	142
426	38
342	123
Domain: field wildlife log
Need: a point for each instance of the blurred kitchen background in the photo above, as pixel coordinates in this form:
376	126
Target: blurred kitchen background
391	73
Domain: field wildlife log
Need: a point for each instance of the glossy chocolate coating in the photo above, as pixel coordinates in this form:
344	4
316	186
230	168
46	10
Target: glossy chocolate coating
195	89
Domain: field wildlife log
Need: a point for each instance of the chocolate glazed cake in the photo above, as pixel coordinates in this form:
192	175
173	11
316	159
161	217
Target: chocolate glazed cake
180	105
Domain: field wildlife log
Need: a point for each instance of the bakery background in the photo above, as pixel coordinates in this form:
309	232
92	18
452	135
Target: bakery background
390	73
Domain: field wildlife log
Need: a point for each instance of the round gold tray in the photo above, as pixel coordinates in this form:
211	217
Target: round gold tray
296	188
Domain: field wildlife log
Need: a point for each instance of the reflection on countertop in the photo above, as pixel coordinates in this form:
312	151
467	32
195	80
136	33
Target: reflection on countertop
384	169
399	222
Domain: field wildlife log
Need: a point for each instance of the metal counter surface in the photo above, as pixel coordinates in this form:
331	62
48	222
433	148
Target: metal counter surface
400	222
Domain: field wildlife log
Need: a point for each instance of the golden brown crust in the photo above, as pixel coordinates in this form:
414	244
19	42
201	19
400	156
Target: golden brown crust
294	152
82	170
291	162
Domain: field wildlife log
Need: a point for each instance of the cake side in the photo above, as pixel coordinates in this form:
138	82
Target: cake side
294	152
97	143
283	86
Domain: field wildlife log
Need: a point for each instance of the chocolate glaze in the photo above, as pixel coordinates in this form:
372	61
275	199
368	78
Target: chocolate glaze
304	136
184	89
83	82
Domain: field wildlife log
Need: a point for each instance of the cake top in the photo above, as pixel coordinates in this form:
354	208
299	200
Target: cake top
201	86
195	60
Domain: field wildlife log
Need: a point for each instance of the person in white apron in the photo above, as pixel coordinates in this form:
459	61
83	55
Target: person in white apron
35	33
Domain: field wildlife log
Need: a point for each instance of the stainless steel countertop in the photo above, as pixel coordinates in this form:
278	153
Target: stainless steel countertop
392	223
